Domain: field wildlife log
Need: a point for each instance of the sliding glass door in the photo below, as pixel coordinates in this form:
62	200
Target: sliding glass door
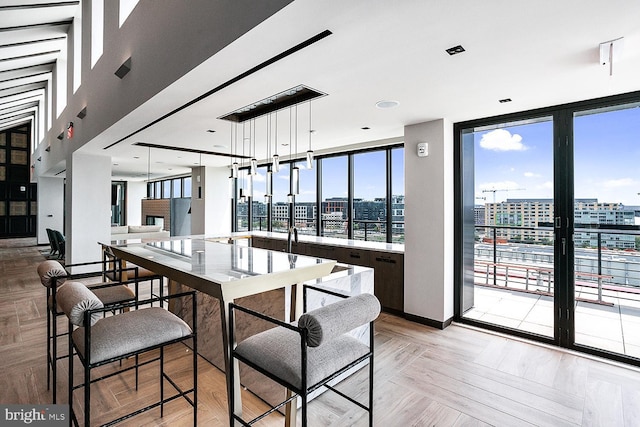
548	225
606	235
510	260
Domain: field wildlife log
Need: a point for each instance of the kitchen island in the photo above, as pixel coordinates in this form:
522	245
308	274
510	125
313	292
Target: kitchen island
227	272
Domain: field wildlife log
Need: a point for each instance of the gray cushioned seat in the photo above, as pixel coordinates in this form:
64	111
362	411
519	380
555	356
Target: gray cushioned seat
131	331
142	272
114	294
278	351
108	295
50	270
74	298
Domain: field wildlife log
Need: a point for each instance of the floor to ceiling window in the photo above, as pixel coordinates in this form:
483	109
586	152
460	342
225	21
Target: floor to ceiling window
548	234
306	209
334	215
279	200
369	196
512	187
606	155
346	195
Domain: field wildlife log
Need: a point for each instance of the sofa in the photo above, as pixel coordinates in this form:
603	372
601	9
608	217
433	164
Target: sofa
124	232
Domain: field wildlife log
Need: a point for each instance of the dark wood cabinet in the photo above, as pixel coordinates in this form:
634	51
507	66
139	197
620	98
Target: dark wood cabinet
388	267
389	279
353	256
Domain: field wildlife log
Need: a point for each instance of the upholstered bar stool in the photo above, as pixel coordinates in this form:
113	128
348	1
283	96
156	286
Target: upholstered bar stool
307	356
52	276
114	264
98	341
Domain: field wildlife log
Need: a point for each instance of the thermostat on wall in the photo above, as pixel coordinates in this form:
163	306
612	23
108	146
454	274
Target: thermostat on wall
423	149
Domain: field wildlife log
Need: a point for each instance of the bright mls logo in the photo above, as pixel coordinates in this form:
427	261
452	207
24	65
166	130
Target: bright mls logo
38	415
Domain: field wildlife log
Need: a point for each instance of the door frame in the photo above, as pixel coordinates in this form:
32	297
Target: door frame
564	277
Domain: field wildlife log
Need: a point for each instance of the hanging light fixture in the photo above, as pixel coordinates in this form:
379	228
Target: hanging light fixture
242	194
310	151
231	177
290	197
247	172
268	182
275	166
149	165
252	136
234	165
295	172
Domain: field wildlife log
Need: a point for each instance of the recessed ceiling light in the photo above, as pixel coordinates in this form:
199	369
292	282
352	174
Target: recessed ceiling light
136	157
365	128
455	50
285	145
387	104
502	101
115	164
219	146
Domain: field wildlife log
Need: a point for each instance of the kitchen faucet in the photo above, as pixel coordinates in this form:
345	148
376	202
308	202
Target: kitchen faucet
294	231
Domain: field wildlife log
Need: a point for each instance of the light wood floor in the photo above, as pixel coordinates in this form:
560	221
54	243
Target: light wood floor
423	376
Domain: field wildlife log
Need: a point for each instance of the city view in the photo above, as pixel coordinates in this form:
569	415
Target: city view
373	218
515	224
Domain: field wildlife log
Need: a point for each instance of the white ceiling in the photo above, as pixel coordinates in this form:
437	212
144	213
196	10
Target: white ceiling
538	54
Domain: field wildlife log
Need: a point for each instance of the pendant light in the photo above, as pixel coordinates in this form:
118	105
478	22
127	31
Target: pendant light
252	136
231	177
276	159
295	172
247	172
242	195
290	197
234	166
268	181
310	151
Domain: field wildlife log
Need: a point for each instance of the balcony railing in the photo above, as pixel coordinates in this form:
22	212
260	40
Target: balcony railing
605	260
368	230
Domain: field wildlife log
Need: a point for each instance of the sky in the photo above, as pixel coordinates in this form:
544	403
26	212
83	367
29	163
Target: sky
517	161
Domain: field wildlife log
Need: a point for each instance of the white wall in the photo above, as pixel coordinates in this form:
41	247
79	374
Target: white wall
88	206
50	207
136	191
218	201
210	215
428	258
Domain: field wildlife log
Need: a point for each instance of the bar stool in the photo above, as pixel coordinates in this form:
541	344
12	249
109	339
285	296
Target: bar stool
52	276
143	274
98	340
308	356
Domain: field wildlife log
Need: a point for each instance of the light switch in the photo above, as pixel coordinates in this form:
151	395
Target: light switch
423	149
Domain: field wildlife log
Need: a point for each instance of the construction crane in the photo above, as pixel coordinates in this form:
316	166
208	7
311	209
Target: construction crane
494	190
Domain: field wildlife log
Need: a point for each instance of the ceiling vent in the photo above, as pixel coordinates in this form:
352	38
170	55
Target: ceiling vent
276	102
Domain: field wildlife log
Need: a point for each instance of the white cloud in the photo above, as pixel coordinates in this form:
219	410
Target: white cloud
259	178
502	140
532	175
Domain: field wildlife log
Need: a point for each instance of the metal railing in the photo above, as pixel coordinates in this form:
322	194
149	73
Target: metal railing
368	230
604	261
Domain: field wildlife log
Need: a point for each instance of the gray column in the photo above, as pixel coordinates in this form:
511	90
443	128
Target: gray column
428	278
210	213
